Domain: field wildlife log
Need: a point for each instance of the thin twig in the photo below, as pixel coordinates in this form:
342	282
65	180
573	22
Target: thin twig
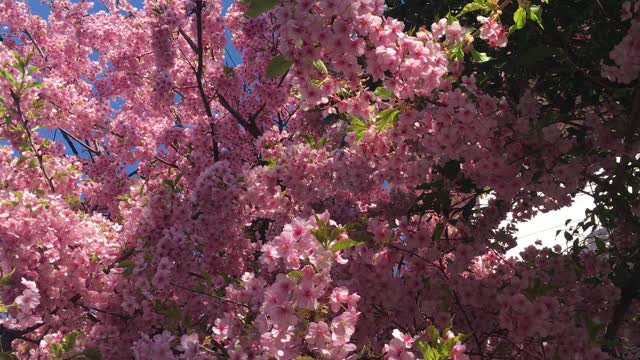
219	298
36	151
35	44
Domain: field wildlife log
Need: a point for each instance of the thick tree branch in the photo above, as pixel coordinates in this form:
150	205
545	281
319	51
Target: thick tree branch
199	74
7	336
125	255
249	125
628	294
189	40
76	301
69	136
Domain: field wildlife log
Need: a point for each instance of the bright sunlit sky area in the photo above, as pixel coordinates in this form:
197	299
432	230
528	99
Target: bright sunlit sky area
542	227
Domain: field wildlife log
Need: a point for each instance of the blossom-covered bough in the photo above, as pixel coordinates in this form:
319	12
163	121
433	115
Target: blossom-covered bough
340	194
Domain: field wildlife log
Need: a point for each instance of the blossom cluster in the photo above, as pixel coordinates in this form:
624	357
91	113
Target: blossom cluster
340	194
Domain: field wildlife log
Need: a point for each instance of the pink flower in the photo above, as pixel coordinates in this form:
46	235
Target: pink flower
439	28
344	325
318	334
190	345
396	350
307	293
28	300
626	12
492	32
455	32
457	352
31	285
338	296
407	339
220	329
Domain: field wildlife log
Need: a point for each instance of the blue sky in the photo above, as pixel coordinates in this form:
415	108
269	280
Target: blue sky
41	8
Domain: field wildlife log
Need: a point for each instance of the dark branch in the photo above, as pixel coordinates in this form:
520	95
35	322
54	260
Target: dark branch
199	73
193	45
68	136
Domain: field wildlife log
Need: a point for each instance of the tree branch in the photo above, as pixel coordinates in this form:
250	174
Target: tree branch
199	73
628	294
68	136
125	255
36	151
219	298
193	45
35	44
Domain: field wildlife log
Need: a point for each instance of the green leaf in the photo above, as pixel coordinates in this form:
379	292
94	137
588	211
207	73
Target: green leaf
7	75
357	126
568	236
28	59
480	57
32	69
593	328
456	53
278	66
56	349
538	289
69	341
344	244
3	309
10	203
450	18
32	163
467	210
171	311
320	66
92	353
269	162
428	352
434	334
318	83
73	200
474	6
520	18
344	93
322	232
256	7
124	197
320	143
6	278
35	84
308	138
602	247
535	14
19	195
7	356
448	345
437	233
386	118
295	274
21	159
128	266
382	91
